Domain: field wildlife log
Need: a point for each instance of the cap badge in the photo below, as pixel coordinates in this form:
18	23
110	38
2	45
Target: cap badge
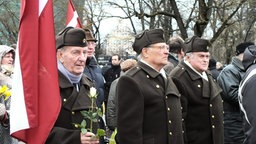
84	40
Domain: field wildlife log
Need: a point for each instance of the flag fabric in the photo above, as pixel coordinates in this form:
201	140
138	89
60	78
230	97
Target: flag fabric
35	102
72	16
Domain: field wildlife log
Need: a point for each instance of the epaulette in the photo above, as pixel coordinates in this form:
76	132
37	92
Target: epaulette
133	71
178	71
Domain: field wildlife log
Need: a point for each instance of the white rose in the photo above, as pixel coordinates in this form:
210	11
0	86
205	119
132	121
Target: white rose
93	92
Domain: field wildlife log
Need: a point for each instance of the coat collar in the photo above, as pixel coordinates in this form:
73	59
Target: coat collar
238	63
76	100
170	87
215	90
192	74
151	72
65	83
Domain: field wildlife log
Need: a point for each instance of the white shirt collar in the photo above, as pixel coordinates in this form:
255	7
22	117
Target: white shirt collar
162	71
203	75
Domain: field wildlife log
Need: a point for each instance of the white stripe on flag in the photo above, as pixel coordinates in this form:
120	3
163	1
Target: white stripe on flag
73	21
42	4
19	119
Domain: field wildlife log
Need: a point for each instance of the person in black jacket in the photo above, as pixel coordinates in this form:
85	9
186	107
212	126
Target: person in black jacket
149	108
74	90
229	80
92	69
213	69
202	109
94	72
111	74
247	94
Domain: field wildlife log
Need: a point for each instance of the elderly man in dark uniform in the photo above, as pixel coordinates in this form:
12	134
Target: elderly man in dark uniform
74	89
202	108
149	109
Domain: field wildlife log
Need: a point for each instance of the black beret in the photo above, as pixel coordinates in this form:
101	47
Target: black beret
147	38
71	36
196	44
242	46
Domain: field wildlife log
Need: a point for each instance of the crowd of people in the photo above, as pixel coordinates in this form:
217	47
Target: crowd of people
174	92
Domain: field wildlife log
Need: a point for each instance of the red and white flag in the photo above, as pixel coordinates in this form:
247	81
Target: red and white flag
35	102
72	16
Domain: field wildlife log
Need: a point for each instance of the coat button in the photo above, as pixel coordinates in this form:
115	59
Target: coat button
168	109
170	121
213	116
170	133
73	113
182	119
147	76
157	86
210	105
64	100
213	126
166	97
199	86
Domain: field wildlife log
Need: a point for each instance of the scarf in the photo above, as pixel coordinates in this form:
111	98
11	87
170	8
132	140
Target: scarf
74	79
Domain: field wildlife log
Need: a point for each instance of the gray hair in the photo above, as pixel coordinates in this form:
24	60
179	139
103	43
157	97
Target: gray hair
190	54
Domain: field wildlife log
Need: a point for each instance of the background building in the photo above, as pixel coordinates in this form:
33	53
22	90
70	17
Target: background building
119	41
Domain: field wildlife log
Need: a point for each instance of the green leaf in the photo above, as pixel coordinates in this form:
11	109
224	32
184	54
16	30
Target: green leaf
83	123
101	132
94	115
84	113
83	130
100	113
95	120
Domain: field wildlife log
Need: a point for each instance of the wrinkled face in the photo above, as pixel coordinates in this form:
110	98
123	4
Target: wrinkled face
91	48
115	60
156	55
199	60
8	59
73	58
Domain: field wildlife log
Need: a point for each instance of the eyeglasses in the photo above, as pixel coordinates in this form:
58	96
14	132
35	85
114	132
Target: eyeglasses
91	43
162	47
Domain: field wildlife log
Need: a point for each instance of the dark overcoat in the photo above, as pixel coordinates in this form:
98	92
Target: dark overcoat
202	108
64	130
94	73
149	109
229	80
